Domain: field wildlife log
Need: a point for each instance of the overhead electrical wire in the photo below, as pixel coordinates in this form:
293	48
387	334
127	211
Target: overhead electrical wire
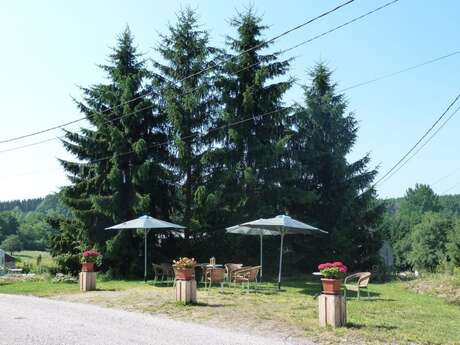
245	68
407	69
450	188
442	178
257	46
422	146
415	146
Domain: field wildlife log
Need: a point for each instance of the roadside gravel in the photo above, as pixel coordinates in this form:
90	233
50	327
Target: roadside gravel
28	320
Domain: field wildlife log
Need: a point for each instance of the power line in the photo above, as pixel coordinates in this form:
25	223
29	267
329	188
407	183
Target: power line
389	75
245	68
192	136
341	26
31	144
417	143
261	44
450	188
424	144
444	177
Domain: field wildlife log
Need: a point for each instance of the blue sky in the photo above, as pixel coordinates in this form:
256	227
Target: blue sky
50	47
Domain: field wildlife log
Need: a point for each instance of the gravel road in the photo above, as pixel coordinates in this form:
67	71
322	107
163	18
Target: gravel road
38	321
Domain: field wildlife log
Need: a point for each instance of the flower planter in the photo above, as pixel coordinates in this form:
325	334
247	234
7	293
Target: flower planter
331	286
87	267
185	273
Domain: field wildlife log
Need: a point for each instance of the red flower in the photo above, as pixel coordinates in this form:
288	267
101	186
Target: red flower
91	253
343	269
337	264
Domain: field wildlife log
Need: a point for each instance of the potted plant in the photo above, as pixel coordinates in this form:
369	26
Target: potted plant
89	259
184	268
332	274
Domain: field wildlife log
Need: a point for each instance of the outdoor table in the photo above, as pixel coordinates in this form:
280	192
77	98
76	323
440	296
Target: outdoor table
204	266
317	274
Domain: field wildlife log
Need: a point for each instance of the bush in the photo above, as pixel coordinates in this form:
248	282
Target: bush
429	239
64	278
106	276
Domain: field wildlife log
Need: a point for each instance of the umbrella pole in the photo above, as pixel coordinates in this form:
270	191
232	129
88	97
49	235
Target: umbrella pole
261	255
145	255
281	261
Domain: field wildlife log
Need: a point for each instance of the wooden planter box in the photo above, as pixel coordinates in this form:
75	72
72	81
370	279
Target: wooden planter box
87	281
186	291
332	310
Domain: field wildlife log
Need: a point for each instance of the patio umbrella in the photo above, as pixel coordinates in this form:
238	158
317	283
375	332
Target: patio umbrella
279	226
245	230
147	223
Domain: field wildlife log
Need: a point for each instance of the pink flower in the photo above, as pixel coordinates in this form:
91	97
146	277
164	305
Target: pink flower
91	253
337	264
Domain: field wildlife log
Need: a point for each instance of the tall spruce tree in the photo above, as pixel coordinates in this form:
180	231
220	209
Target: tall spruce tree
121	170
246	160
324	135
188	102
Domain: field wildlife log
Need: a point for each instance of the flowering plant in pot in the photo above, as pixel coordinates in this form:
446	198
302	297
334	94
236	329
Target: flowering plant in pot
332	273
88	259
184	268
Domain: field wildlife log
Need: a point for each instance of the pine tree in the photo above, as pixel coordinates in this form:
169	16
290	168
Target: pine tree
189	103
121	169
342	201
246	161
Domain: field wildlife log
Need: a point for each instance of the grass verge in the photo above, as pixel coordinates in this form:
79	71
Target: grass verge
393	314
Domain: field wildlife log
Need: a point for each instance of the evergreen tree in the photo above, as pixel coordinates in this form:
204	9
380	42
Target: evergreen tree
189	103
121	170
246	161
344	204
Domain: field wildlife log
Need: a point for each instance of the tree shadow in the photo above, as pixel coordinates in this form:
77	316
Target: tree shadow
353	325
203	305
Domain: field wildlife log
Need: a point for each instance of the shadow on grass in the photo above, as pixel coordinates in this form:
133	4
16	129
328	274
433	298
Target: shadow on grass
371	299
202	304
353	325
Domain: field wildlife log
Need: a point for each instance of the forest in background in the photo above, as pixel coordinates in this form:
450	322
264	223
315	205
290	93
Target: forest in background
423	228
24	223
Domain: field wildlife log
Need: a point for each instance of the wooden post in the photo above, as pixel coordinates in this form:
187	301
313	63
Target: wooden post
87	281
186	291
332	310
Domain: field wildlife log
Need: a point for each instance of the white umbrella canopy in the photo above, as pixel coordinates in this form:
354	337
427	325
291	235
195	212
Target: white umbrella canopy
147	223
277	226
283	225
245	230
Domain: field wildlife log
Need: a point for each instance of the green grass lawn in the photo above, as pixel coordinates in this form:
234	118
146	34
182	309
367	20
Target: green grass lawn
43	287
394	314
30	257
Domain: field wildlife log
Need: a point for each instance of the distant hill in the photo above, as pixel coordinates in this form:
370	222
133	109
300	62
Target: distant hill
26	205
450	205
42	205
